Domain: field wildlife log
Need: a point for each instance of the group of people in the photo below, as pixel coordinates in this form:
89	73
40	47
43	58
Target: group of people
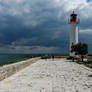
47	56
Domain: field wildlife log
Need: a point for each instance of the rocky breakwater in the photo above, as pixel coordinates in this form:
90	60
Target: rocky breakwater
8	70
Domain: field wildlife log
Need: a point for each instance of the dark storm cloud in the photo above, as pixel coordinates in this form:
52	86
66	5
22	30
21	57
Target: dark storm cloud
40	25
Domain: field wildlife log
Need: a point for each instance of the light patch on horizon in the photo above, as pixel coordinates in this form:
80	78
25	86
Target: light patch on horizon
86	31
31	49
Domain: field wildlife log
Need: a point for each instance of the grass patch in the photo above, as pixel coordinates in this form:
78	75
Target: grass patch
89	65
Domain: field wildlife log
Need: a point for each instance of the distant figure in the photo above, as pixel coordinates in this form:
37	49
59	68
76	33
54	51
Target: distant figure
46	56
52	57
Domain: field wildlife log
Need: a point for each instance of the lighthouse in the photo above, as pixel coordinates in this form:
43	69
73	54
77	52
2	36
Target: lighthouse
73	22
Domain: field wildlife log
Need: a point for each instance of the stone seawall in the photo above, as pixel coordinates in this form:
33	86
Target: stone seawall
11	69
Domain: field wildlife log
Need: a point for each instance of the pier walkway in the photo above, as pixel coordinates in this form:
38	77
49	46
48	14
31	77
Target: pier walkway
59	75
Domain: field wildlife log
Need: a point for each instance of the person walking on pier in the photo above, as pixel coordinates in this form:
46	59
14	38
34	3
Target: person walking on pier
52	57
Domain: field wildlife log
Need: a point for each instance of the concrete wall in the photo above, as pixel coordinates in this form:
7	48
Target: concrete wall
11	69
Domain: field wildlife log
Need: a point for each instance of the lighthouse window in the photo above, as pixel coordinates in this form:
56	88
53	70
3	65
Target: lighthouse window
73	17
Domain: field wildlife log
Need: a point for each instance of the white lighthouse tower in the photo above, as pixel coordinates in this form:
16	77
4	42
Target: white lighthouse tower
73	21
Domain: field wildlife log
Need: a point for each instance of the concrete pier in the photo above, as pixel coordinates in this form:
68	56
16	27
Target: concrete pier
59	75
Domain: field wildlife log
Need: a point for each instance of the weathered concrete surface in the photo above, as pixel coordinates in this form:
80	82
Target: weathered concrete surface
8	70
50	76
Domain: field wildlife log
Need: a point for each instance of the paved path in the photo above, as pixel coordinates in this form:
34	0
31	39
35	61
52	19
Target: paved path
49	76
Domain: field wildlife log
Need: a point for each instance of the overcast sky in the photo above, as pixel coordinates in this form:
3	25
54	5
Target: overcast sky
41	26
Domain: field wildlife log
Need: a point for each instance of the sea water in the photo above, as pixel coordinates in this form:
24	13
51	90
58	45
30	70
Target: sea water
10	58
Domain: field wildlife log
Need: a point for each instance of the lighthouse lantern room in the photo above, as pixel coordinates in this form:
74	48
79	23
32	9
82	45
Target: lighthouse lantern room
73	22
